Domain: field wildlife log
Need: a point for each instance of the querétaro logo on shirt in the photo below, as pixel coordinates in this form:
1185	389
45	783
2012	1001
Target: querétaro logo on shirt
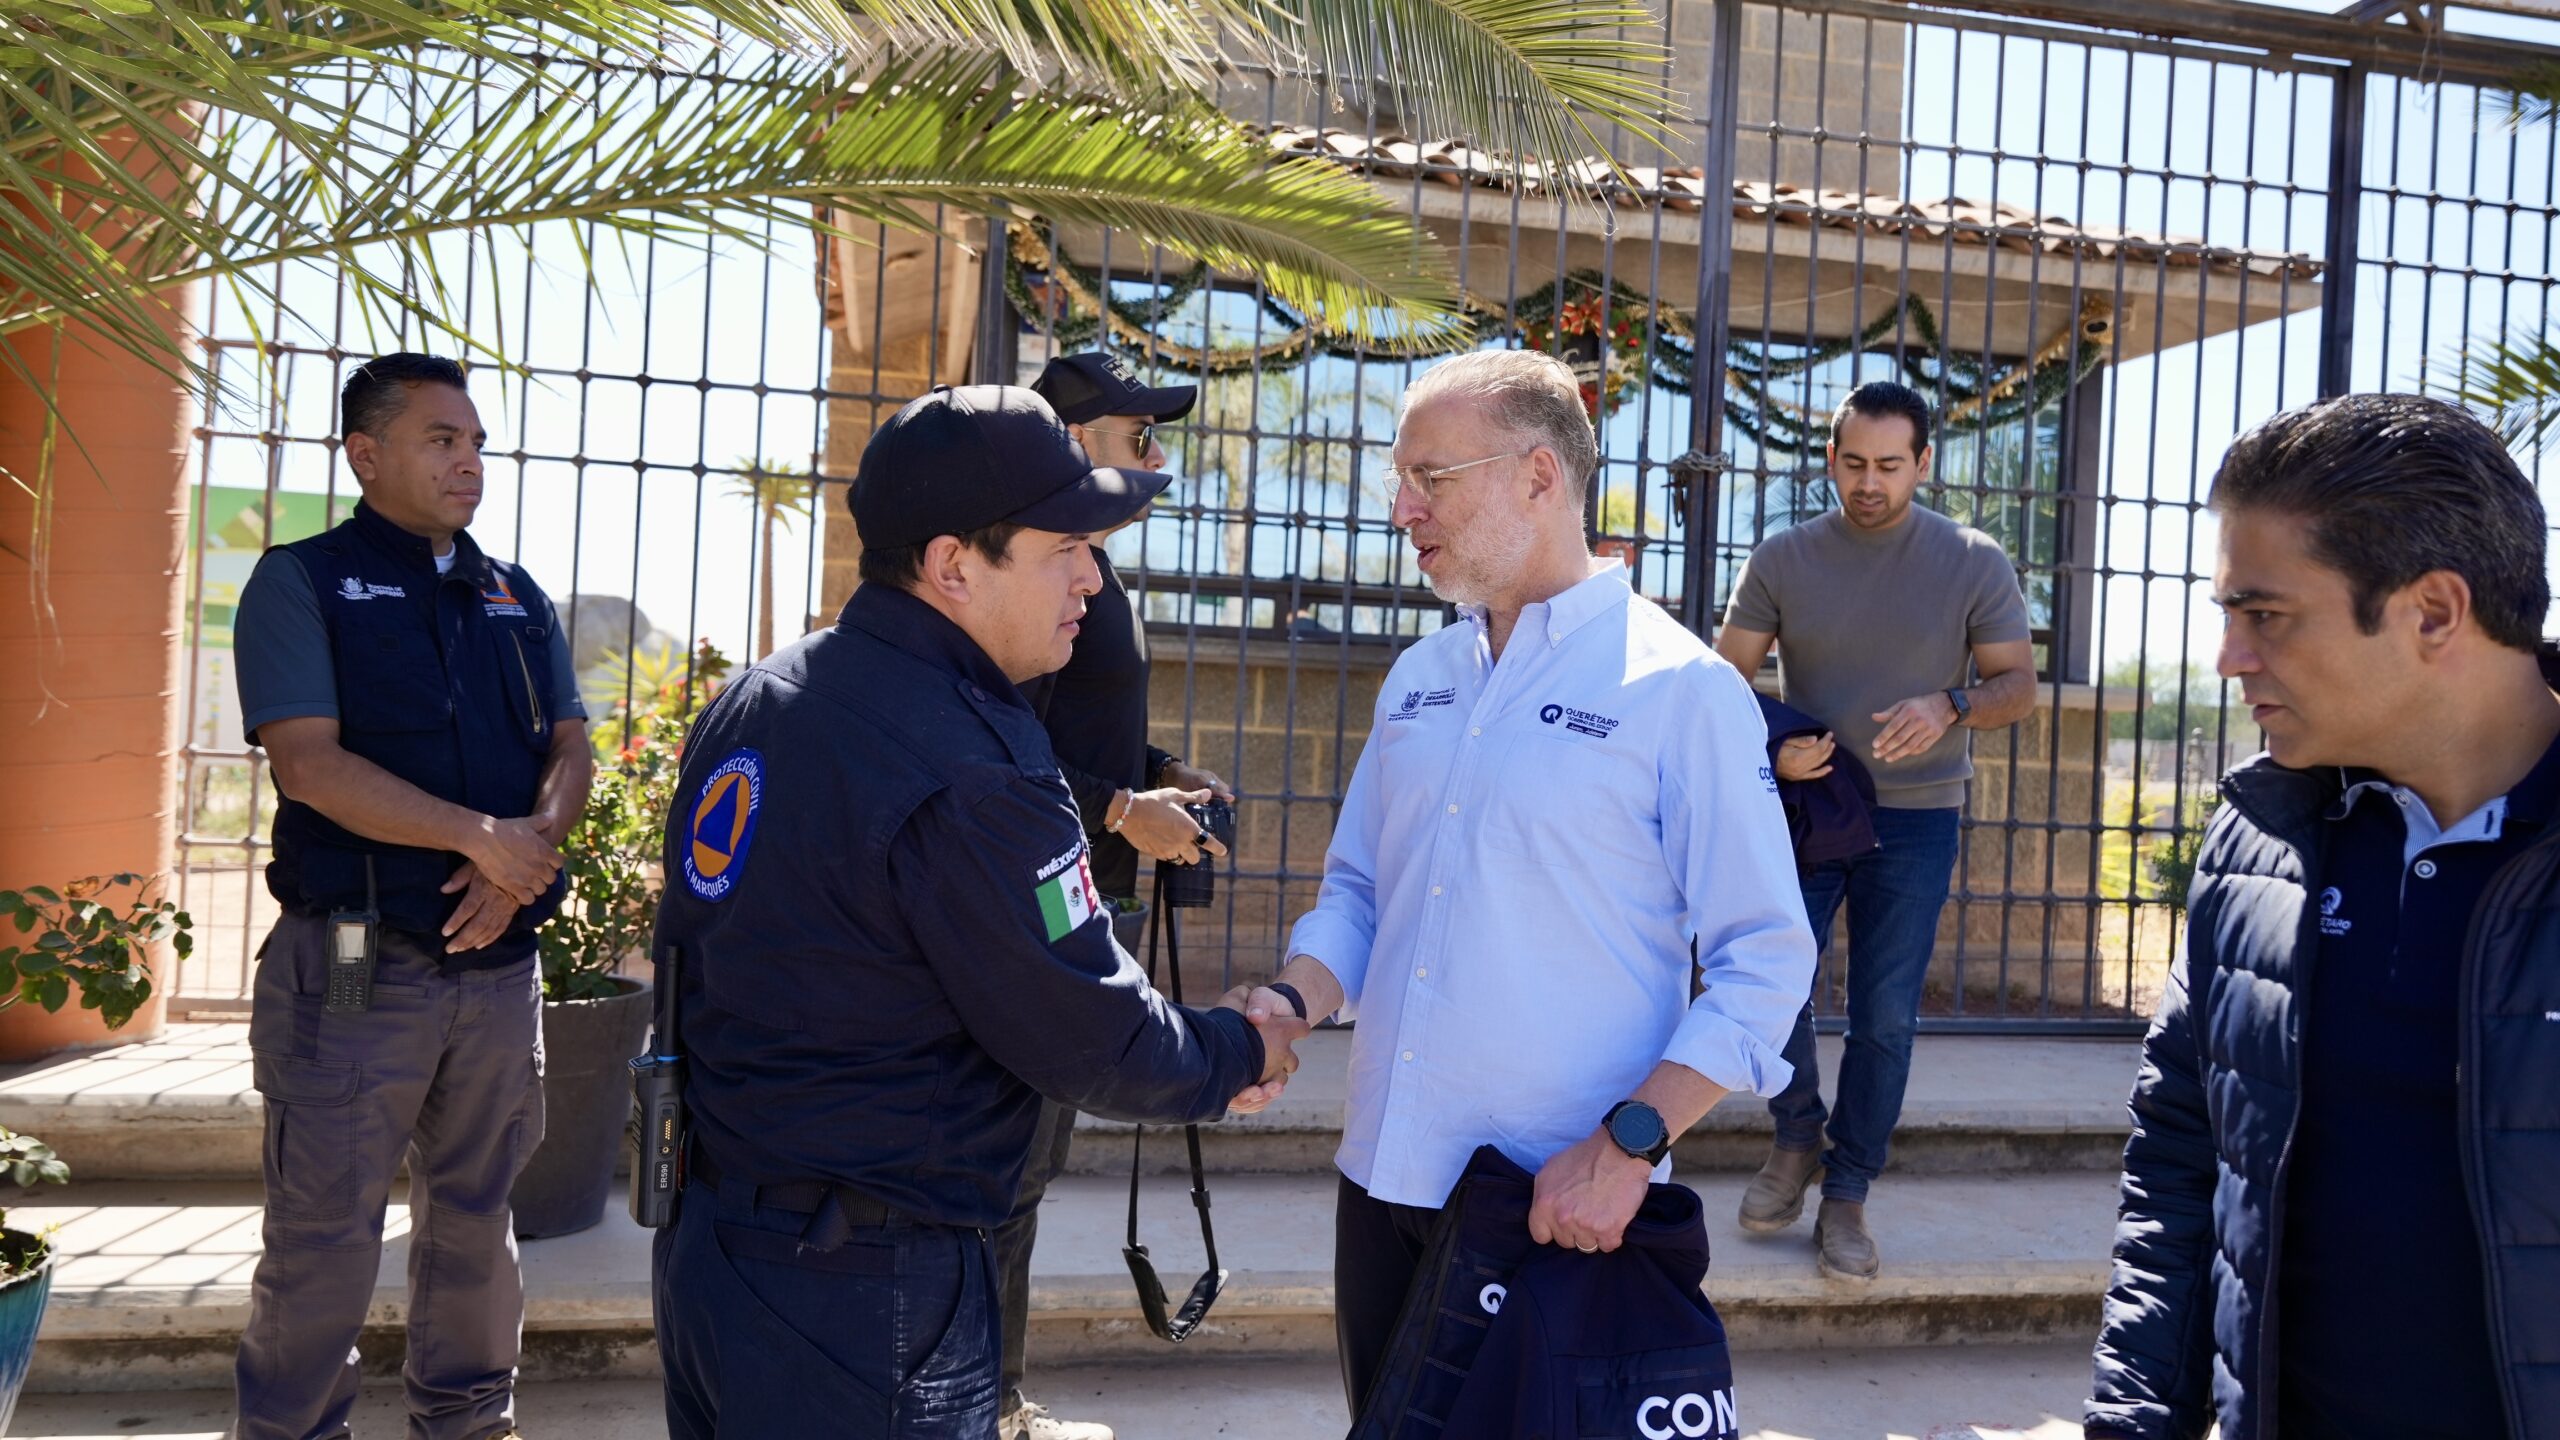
2330	924
1580	722
352	588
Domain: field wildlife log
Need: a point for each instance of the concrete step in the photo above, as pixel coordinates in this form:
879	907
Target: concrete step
153	1289
182	1108
2022	1392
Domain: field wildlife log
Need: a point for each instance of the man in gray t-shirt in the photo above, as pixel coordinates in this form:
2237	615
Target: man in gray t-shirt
1880	611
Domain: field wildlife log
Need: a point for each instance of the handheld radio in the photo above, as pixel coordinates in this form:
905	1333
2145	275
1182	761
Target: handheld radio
657	1133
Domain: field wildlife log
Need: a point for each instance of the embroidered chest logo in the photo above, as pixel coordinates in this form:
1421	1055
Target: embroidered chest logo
1417	701
2330	924
352	588
1491	1298
1064	888
1580	722
724	824
499	600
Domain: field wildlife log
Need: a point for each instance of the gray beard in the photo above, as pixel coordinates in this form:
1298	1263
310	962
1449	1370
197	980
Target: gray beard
1496	549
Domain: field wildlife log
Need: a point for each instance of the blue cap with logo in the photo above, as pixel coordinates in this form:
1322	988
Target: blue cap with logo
962	457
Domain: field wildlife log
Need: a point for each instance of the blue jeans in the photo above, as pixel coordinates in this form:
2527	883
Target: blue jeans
889	1336
1894	895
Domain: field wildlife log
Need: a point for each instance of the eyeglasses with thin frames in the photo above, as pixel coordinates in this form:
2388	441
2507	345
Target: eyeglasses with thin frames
1426	479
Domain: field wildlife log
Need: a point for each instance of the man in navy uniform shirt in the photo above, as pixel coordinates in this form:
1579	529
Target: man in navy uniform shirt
892	950
415	698
2338	1214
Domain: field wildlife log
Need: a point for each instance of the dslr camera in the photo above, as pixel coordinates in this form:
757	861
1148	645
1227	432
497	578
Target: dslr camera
1195	886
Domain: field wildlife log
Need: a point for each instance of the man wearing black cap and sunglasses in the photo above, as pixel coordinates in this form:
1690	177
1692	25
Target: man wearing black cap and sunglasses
891	949
1130	794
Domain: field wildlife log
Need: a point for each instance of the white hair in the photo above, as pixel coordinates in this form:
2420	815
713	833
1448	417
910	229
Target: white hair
1528	393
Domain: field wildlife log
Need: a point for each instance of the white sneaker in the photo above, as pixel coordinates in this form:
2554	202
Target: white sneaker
1034	1422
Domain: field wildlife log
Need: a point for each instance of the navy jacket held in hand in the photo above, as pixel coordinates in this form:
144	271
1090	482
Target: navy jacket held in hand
1832	818
1506	1339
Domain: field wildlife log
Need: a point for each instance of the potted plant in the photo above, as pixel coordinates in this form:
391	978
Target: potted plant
26	1265
70	940
595	1017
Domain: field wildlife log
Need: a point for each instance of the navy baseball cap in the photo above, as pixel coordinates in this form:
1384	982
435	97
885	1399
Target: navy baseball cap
1084	388
962	457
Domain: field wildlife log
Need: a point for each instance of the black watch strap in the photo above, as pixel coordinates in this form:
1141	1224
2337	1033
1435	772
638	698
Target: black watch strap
1290	994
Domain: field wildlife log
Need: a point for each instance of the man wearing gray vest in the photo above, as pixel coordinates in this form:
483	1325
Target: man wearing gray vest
1900	629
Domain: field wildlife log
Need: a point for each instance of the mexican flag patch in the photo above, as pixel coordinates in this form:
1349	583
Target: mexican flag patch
1065	891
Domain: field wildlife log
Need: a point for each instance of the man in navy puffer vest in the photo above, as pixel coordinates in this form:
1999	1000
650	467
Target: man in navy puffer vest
415	698
2341	1213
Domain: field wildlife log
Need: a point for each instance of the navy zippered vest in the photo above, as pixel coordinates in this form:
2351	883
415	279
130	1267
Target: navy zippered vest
443	681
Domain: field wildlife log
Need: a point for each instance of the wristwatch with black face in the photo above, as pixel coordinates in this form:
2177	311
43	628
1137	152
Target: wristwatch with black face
1639	1130
1963	704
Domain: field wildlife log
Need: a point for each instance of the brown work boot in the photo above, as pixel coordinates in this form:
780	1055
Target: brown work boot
1776	1197
1842	1246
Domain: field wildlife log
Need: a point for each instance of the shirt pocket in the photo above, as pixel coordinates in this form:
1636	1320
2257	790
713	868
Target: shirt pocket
390	675
524	656
1567	802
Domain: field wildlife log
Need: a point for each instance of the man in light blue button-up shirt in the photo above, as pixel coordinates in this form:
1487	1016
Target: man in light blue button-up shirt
1563	798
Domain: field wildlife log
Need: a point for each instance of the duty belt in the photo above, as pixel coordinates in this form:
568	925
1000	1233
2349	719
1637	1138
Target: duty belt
833	1209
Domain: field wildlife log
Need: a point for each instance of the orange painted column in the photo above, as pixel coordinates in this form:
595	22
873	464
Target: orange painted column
92	653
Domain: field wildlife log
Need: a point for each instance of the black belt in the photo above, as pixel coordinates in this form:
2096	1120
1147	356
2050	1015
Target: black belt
804	1197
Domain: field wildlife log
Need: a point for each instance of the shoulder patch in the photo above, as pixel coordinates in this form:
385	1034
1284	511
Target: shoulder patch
1064	888
723	825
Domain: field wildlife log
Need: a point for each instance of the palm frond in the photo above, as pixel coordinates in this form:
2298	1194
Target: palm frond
2513	381
2535	100
707	163
774	487
1528	78
1140	45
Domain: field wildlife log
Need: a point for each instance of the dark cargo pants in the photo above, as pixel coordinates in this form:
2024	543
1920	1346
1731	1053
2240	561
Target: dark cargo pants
446	1069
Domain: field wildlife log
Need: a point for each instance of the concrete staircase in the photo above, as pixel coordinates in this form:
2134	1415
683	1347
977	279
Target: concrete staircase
1995	1223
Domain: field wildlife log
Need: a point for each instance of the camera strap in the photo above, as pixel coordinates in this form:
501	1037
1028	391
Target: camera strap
1162	929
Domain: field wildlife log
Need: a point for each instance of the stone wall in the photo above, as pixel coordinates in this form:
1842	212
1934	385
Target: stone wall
1803	72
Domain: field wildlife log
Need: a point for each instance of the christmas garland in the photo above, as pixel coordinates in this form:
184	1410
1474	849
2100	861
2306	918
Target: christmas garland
1638	341
1974	397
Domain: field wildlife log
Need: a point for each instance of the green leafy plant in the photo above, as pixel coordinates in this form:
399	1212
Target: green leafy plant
77	940
613	851
2174	863
26	1163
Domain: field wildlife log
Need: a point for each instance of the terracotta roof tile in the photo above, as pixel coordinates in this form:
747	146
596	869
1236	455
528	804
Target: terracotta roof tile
1682	188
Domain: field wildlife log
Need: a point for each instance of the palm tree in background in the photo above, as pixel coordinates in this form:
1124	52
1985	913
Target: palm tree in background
782	494
2513	378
